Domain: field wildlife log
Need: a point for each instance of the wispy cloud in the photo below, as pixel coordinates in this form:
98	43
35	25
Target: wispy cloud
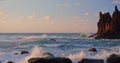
116	2
21	18
5	18
63	4
86	14
1	12
2	15
77	4
32	17
67	4
47	18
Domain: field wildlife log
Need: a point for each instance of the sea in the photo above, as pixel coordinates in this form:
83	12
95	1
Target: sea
70	45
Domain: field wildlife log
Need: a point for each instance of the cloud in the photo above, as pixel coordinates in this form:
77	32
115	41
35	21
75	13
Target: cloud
2	15
5	18
63	4
116	2
96	14
1	12
32	17
47	18
21	18
79	19
77	4
86	14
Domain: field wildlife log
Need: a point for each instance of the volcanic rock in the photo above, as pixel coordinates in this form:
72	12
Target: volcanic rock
92	50
24	52
108	26
113	59
10	62
91	61
49	60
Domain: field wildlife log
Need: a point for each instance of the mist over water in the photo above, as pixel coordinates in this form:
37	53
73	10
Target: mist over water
71	45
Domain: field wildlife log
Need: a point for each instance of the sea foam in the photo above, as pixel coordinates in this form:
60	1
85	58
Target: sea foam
35	53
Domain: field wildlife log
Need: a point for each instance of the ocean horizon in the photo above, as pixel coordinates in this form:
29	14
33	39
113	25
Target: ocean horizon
59	31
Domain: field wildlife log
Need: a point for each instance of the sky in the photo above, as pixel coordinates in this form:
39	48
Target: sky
52	16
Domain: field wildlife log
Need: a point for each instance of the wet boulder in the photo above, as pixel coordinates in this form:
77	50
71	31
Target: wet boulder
10	62
48	55
91	61
24	52
52	39
113	58
16	53
49	60
92	50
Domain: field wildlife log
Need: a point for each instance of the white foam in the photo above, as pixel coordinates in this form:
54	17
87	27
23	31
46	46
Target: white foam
35	53
30	37
78	56
104	54
44	36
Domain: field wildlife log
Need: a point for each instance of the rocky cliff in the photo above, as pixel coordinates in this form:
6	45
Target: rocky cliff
108	26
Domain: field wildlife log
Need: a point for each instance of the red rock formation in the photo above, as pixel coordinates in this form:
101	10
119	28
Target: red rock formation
104	24
109	27
116	21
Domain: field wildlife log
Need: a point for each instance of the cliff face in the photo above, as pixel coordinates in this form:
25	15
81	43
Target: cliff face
104	24
109	27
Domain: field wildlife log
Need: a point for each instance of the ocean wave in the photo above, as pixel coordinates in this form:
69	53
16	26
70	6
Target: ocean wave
66	46
36	37
103	54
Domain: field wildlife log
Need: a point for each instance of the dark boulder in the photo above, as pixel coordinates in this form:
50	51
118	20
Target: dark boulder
10	62
91	61
16	53
24	52
52	39
113	59
49	60
92	50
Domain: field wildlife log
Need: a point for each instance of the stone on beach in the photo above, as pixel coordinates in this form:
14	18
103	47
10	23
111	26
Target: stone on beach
52	39
92	50
49	60
10	62
113	58
91	61
24	52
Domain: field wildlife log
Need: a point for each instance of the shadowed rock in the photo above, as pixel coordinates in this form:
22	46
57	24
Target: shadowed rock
24	52
108	27
92	50
91	61
10	62
49	60
113	59
16	53
52	39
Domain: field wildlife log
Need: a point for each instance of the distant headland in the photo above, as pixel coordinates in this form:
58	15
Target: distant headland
108	26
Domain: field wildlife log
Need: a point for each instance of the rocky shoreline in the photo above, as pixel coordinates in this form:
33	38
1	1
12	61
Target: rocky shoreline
108	26
113	58
48	57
